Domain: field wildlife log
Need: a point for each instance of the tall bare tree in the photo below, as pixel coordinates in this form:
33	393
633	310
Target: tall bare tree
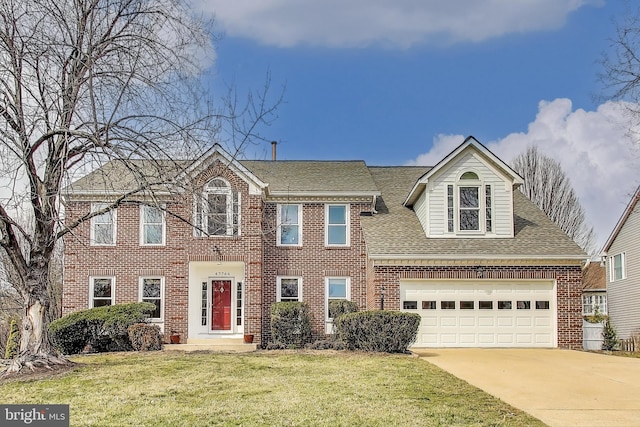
83	82
546	185
621	65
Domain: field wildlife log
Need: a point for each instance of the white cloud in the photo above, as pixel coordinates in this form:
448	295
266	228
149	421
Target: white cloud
593	147
356	23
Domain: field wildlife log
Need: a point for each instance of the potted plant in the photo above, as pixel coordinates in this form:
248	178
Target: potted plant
248	338
174	338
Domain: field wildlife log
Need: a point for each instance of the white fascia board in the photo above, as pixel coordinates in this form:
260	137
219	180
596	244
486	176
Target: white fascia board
396	257
323	194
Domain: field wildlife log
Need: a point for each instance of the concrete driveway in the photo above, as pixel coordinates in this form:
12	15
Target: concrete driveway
559	387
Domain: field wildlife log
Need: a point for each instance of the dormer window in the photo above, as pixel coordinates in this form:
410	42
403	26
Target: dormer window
217	210
469	205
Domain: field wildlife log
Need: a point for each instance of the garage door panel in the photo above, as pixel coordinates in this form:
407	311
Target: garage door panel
468	339
486	339
429	338
467	321
448	321
486	321
429	322
506	322
505	339
449	338
483	314
542	321
522	321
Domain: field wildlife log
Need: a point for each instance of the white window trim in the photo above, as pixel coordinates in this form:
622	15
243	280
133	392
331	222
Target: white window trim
481	184
202	201
92	238
347	280
142	224
612	274
91	290
279	225
347	213
279	290
593	300
140	295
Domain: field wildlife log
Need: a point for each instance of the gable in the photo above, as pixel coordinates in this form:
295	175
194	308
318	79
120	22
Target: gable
468	194
470	145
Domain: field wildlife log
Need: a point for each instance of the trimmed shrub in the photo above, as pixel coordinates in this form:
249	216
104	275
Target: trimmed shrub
145	337
103	328
13	340
290	325
331	344
378	330
338	307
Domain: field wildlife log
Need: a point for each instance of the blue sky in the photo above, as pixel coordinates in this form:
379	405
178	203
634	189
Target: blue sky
404	82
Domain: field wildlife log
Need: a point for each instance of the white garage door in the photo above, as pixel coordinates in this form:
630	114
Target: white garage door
467	314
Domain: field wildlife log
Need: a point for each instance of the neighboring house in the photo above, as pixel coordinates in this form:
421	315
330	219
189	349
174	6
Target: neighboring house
594	289
456	243
622	255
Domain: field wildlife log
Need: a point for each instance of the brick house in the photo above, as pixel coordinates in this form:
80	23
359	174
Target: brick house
456	243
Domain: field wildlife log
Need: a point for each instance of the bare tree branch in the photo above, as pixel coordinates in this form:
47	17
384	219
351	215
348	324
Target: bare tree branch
88	82
546	185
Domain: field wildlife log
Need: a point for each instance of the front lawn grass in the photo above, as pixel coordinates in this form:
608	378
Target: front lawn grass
265	388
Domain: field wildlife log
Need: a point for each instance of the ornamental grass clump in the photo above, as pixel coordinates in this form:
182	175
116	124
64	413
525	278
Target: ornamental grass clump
378	330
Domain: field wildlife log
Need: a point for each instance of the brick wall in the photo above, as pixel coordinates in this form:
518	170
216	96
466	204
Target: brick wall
313	261
128	260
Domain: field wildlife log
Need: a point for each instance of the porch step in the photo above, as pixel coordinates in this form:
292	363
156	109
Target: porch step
222	345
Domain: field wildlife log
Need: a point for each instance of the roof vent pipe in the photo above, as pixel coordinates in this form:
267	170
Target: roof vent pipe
273	150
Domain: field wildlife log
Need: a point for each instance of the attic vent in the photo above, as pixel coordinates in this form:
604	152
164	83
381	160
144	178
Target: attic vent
366	213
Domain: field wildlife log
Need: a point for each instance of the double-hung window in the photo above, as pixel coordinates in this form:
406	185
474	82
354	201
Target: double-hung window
101	291
289	289
289	225
217	210
152	226
469	208
152	291
337	225
469	205
103	226
617	268
336	288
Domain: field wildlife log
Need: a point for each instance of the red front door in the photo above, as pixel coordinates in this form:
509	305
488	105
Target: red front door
221	305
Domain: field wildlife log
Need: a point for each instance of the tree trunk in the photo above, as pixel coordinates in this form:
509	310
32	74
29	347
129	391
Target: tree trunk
35	348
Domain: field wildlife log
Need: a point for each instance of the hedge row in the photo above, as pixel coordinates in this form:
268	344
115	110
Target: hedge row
378	330
103	328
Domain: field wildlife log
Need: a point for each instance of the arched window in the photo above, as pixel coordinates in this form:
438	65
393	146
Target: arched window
474	205
217	210
469	202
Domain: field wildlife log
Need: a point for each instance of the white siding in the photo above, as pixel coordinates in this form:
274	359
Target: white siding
502	197
623	296
420	207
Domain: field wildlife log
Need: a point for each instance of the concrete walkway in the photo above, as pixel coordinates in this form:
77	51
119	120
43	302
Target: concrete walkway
559	387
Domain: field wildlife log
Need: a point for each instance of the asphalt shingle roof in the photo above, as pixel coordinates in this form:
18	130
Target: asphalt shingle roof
313	176
395	231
